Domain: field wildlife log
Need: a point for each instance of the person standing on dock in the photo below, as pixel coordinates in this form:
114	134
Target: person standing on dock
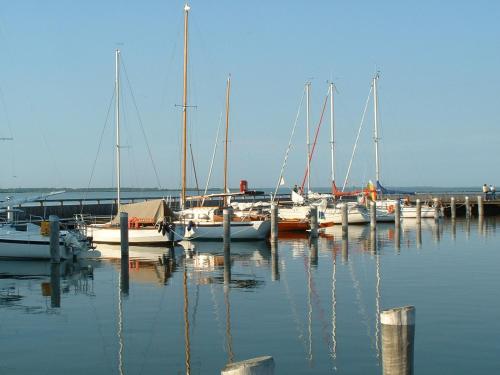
493	192
485	191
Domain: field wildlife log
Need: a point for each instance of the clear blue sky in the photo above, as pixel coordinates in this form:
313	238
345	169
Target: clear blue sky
439	88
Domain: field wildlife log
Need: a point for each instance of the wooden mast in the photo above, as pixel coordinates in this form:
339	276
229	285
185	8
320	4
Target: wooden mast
184	107
228	91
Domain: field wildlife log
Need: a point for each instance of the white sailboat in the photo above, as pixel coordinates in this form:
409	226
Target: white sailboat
203	223
144	217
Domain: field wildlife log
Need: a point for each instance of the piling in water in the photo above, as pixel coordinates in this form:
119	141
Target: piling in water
398	334
345	220
124	234
345	250
255	366
274	222
436	209
55	285
313	217
275	271
227	214
373	215
480	206
227	263
313	251
397	214
397	238
453	208
467	208
55	254
418	211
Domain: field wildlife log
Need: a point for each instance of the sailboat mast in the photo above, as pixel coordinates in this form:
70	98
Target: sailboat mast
308	95
228	91
375	130
117	117
184	107
332	132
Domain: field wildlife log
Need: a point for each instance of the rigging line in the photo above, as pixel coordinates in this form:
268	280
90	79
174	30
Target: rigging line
194	168
141	125
99	147
357	139
213	158
283	166
308	172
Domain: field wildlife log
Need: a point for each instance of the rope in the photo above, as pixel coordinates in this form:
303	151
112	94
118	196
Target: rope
283	166
357	139
315	140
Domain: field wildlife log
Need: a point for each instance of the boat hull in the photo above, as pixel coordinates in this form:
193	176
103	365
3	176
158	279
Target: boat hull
214	231
136	236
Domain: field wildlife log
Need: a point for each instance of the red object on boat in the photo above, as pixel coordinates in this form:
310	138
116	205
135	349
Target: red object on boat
243	186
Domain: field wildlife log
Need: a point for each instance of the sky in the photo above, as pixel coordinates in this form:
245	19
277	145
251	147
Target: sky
438	90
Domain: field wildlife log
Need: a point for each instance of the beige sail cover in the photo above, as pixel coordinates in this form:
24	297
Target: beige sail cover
147	212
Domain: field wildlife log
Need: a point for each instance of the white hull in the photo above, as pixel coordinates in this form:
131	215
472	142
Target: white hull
111	235
152	253
385	211
410	212
294	213
356	214
30	244
245	230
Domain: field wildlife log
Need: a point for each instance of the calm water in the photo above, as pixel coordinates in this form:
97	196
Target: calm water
312	306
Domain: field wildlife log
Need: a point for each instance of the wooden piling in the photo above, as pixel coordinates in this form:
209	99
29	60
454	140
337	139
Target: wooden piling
124	234
480	206
313	218
55	285
418	209
345	250
436	209
345	219
467	207
313	251
227	213
124	260
274	222
275	271
453	208
227	263
398	334
397	214
373	215
397	238
256	366
55	251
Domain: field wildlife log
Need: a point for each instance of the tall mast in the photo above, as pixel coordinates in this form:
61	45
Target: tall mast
308	94
228	91
117	117
375	130
332	132
184	107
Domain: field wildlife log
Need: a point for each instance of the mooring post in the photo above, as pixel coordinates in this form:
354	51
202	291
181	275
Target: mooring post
55	252
345	250
419	235
418	211
373	215
227	213
275	271
397	213
397	238
398	335
313	217
480	207
436	209
255	366
467	208
313	252
274	222
124	261
345	220
227	263
453	208
55	285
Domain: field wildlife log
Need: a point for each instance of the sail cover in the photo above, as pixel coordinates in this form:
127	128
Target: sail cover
383	190
148	211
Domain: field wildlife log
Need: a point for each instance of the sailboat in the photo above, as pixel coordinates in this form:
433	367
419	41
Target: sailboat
202	222
144	217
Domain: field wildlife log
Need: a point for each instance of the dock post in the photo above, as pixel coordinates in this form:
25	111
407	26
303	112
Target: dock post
227	263
124	261
418	211
256	366
467	207
436	209
55	252
398	335
480	207
397	238
313	217
419	235
313	252
275	270
345	220
345	250
274	222
453	208
397	213
227	213
373	215
55	285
